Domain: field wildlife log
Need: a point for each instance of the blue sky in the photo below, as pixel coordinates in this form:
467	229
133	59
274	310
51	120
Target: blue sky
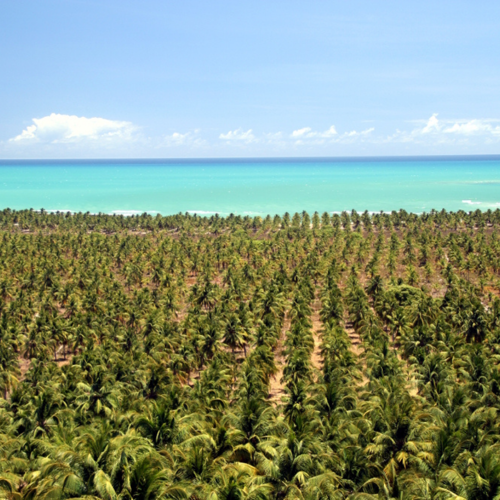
248	78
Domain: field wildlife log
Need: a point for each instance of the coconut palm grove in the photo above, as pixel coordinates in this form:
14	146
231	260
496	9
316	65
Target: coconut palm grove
303	356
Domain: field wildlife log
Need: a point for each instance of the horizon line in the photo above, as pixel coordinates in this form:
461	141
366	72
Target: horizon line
260	158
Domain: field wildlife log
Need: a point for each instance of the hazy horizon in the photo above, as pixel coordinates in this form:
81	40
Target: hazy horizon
246	159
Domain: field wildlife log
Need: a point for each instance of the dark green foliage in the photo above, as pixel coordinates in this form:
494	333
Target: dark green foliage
305	356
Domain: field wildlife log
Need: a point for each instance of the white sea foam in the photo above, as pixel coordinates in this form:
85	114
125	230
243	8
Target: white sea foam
65	211
484	204
360	212
482	182
128	213
204	212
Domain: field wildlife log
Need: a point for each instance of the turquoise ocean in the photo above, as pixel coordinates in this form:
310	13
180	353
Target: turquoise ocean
252	186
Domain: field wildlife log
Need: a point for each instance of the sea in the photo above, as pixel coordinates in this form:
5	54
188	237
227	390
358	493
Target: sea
252	186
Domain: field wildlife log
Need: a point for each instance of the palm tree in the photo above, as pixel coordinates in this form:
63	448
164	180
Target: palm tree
234	334
398	323
475	324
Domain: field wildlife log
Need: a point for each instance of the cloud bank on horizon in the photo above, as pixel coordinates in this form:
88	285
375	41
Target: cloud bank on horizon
61	135
57	128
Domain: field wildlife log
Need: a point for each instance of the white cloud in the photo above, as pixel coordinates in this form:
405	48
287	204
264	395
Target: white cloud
354	133
308	133
473	127
331	132
178	138
57	128
432	125
59	135
307	136
301	132
439	131
239	135
187	139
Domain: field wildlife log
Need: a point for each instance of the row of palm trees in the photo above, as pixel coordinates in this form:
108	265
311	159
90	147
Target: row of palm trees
31	220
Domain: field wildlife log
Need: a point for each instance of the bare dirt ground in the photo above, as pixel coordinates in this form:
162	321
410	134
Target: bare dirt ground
276	388
356	347
24	366
317	326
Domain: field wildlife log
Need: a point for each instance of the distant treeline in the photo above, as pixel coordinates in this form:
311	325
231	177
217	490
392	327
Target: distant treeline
31	219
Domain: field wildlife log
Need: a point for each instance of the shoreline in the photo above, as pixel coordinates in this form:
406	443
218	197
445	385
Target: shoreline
251	215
